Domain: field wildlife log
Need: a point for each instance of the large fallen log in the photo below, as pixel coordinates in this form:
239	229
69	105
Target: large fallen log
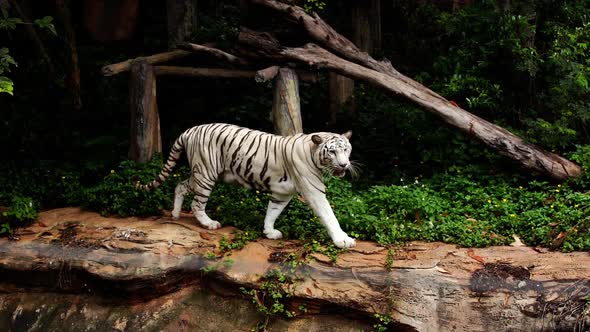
494	136
419	286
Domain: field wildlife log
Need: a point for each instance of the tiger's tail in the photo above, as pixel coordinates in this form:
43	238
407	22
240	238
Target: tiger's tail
175	153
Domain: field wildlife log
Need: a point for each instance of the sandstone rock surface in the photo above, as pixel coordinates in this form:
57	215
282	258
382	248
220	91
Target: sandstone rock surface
108	271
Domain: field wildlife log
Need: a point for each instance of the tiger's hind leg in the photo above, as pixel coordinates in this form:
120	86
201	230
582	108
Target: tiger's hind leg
275	207
182	188
202	188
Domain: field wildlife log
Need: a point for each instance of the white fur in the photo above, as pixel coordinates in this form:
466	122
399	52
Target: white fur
300	158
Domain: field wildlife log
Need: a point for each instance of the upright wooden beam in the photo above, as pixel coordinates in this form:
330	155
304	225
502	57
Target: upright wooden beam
145	122
286	107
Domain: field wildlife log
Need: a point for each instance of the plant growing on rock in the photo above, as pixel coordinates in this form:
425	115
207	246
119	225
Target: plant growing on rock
22	210
270	298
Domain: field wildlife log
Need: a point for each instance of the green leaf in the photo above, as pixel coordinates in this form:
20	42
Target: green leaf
9	23
6	85
582	80
5	60
45	23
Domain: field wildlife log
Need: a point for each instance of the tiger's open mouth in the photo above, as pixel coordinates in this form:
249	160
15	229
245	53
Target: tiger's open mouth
339	172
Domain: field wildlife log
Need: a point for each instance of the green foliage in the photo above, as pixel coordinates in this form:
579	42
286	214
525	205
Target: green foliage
222	27
22	210
8	23
49	184
498	62
581	156
385	128
389	259
245	209
46	23
239	240
567	98
314	6
464	205
116	193
381	322
226	263
269	298
484	40
6	84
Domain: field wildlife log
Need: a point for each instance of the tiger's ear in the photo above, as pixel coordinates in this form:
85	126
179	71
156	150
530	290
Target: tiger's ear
348	134
317	139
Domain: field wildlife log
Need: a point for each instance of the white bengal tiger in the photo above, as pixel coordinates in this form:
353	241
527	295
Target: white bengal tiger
254	159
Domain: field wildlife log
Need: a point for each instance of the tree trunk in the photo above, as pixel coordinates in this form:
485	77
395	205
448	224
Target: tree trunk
375	22
145	121
366	35
72	67
286	108
341	93
181	20
366	25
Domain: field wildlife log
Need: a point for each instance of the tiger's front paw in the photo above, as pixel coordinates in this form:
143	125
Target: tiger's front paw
344	241
211	224
273	234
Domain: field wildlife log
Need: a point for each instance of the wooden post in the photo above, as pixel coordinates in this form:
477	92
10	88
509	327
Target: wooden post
145	122
286	107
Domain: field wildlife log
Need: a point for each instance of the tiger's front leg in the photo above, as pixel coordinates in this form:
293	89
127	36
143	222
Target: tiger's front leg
321	207
275	207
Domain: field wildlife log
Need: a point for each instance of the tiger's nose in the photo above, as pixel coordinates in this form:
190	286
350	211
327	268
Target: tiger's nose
344	165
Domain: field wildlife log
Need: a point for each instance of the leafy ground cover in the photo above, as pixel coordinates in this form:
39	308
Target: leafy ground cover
469	206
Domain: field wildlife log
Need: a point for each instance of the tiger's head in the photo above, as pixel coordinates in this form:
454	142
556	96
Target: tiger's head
334	153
